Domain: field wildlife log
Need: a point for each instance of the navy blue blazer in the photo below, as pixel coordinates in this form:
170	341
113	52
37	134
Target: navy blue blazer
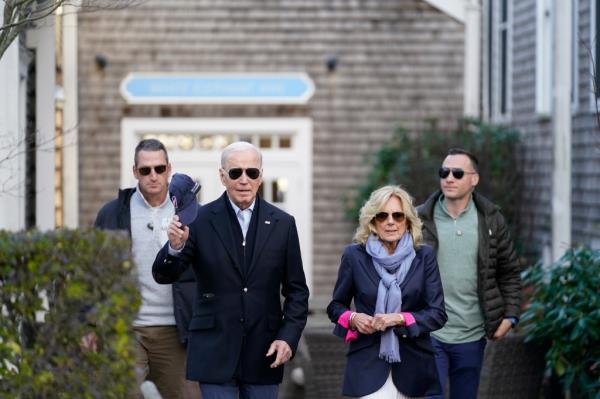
422	296
238	310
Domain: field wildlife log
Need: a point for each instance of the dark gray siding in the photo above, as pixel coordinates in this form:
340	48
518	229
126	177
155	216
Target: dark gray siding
537	156
586	143
538	139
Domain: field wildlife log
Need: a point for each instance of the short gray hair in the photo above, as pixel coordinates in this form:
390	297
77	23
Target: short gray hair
239	146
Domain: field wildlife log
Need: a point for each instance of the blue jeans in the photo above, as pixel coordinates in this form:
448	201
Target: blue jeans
232	390
460	364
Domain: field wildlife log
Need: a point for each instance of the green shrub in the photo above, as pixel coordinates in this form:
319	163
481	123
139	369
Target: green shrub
412	160
56	288
564	313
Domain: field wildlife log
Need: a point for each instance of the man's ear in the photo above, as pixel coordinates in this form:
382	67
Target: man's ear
475	180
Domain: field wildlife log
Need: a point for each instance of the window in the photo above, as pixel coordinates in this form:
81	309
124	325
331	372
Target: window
575	55
595	51
543	58
490	58
503	31
498	58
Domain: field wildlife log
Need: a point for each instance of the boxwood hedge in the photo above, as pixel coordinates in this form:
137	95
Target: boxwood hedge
56	288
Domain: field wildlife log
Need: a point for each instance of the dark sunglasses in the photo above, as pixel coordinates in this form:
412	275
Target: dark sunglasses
236	173
146	170
383	216
458	173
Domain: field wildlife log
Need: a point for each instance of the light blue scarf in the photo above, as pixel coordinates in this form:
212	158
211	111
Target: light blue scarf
392	269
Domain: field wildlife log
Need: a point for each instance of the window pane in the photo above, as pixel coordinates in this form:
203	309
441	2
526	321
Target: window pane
205	142
279	189
265	142
503	71
285	142
490	56
504	10
185	142
221	141
597	49
574	51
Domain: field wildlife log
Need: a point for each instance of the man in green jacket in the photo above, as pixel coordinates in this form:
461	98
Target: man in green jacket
479	270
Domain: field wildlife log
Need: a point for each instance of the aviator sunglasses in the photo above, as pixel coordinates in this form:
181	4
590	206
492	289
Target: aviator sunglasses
146	170
458	173
236	173
383	216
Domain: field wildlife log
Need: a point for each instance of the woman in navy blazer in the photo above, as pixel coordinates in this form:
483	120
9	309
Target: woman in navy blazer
394	281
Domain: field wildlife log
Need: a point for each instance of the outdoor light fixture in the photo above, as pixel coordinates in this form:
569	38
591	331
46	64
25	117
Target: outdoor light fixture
101	61
331	62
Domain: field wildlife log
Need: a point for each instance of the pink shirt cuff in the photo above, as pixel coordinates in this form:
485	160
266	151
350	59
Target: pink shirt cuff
409	319
344	321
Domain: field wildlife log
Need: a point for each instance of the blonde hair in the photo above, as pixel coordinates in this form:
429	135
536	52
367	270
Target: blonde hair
374	204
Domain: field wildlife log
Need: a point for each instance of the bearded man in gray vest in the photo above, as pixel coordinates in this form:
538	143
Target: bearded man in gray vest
479	270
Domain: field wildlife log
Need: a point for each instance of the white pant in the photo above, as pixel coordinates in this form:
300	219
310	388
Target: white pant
388	391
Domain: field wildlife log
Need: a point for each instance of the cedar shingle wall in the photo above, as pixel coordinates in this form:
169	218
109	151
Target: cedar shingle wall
537	135
399	61
585	146
538	156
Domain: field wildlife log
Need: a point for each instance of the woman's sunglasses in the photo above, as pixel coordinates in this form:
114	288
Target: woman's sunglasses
236	173
458	173
146	170
383	216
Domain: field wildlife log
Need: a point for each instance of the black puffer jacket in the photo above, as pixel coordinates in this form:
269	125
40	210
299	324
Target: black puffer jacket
498	279
116	215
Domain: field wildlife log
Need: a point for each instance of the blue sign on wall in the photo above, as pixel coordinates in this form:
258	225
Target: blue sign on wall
173	88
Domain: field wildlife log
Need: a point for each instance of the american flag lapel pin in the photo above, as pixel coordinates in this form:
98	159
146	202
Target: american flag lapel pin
267	222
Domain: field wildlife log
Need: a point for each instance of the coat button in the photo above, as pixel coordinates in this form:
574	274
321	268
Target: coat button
241	319
245	289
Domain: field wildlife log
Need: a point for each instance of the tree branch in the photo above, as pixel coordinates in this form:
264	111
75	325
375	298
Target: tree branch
44	12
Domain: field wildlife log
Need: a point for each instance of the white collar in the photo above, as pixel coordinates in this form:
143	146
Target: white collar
236	208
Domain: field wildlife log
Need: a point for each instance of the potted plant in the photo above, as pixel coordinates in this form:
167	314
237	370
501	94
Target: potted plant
564	314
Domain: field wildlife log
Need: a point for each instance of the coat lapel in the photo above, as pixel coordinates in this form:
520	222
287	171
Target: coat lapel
220	222
265	226
367	264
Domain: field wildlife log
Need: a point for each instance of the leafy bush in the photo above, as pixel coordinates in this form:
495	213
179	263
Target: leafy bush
56	288
412	160
564	313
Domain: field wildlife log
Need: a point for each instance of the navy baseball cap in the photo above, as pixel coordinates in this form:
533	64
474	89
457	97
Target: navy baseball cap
182	191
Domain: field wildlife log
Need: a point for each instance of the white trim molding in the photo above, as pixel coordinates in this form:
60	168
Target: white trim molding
12	134
472	62
561	131
544	57
70	118
594	43
454	8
